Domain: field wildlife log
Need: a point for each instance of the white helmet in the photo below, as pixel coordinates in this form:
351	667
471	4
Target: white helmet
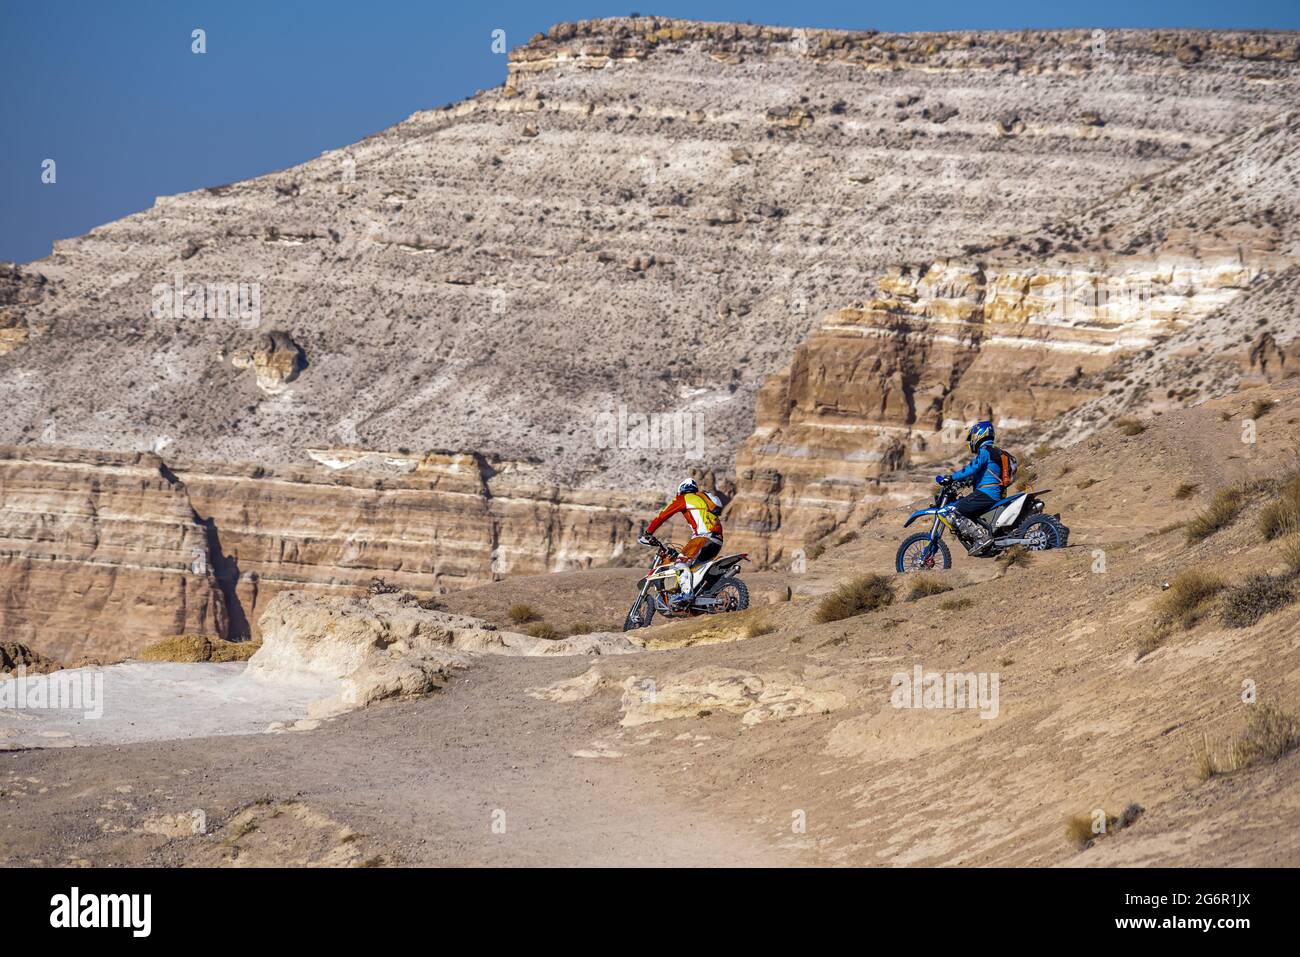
687	486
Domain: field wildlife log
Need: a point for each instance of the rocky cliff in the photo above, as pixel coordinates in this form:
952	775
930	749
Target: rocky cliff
589	273
101	554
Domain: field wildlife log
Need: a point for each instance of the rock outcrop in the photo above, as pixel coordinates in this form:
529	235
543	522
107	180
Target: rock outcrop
387	646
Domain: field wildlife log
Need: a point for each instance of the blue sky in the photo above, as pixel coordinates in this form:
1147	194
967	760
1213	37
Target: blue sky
112	92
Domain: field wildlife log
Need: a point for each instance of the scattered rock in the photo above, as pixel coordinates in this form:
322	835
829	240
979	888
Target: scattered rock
276	360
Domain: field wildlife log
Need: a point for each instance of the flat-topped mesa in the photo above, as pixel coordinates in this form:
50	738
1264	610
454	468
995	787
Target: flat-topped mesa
595	44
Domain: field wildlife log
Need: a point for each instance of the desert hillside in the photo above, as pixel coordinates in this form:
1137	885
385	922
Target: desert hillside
1146	678
812	254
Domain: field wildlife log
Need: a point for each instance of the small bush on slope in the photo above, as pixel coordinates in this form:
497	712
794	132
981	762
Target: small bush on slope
1188	597
1244	604
856	597
1014	556
1290	549
1270	734
521	613
1282	516
923	586
1222	512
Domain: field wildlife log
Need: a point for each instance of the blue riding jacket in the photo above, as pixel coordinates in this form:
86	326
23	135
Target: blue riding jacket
986	472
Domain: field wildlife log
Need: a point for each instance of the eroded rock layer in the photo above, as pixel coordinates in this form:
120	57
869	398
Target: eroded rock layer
102	555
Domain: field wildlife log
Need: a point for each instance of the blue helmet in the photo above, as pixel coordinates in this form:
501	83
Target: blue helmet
979	433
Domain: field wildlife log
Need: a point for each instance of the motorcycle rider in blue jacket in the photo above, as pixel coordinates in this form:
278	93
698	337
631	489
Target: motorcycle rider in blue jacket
985	473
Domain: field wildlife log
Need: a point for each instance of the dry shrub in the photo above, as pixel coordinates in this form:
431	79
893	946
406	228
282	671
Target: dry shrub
1186	489
856	597
1290	550
544	631
1261	407
1270	734
758	628
923	586
521	613
815	551
1152	638
1130	426
1026	476
956	604
1282	516
1016	555
1259	595
1078	830
1188	597
846	538
1222	512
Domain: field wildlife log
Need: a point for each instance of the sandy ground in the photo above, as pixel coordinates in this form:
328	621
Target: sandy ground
784	747
421	781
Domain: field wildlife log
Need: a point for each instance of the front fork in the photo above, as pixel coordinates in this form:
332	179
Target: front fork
936	533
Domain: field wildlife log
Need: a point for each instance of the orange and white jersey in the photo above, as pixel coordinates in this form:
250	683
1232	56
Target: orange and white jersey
696	508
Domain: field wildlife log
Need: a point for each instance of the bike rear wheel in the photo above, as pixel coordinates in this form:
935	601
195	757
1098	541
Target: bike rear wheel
732	595
917	555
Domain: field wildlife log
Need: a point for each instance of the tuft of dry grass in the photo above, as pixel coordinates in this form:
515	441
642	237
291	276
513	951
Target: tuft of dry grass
521	613
1290	550
1261	407
193	648
815	551
758	628
1188	597
1152	638
1282	515
1078	830
846	538
956	604
856	597
1130	426
1259	595
1015	556
1270	734
923	586
1222	512
544	631
1185	490
1026	476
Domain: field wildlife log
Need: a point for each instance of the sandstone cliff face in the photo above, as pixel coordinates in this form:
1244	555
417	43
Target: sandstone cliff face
100	554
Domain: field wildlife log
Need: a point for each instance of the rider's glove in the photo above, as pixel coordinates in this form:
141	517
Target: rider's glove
645	539
940	479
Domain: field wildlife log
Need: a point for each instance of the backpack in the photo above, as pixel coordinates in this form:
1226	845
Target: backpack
1006	465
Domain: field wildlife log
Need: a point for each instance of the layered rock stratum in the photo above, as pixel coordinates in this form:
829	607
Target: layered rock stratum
425	354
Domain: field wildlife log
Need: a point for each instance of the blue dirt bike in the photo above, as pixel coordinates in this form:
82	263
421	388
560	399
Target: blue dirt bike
1015	520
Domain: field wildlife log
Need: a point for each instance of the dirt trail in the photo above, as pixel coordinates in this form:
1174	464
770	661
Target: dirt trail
420	781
